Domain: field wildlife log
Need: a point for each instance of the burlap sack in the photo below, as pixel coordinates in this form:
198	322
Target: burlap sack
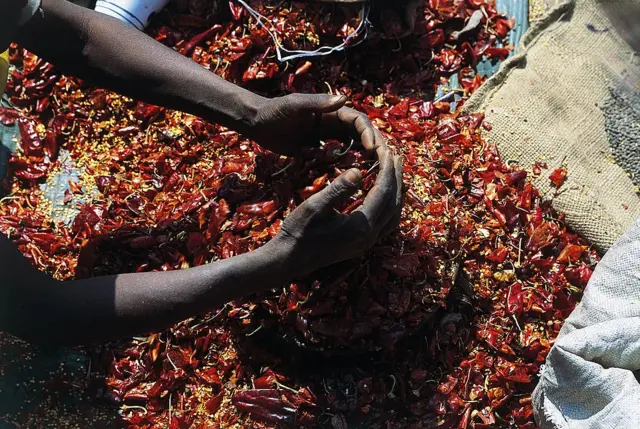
570	95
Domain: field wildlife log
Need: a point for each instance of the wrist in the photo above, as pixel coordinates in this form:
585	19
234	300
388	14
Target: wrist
249	106
277	254
238	110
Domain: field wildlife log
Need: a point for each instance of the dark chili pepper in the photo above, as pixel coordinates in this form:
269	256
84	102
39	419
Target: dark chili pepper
266	405
103	182
498	53
147	112
31	142
317	185
303	68
213	404
354	205
42	84
51	146
28	171
200	38
236	10
42	104
258	209
142	242
240	45
8	116
127	131
558	176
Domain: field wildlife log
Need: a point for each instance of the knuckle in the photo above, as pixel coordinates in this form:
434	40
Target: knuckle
356	119
333	193
364	119
274	110
309	208
288	229
337	188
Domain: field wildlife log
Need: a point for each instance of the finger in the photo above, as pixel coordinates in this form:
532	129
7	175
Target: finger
314	103
355	124
397	162
370	137
379	204
339	191
395	220
378	140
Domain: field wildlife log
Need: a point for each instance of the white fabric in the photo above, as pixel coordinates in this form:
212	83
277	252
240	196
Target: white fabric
134	12
590	377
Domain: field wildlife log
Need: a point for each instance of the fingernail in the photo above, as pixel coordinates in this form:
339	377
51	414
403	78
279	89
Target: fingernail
353	176
338	98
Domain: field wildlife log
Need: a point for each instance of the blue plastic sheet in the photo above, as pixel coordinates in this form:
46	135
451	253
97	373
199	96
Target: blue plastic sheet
518	9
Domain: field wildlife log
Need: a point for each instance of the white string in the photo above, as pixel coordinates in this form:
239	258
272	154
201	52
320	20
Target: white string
321	51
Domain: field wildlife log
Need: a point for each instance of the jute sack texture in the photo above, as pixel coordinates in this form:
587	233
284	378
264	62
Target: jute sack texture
570	95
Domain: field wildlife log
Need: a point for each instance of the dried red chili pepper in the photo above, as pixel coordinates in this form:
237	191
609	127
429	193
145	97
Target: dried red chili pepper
31	142
265	404
236	10
199	38
498	53
462	199
8	116
558	176
27	170
317	185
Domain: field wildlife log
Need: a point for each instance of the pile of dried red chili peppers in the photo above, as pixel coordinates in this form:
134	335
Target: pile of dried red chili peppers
445	324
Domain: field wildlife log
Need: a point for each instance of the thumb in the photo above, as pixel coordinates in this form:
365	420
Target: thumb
316	103
340	189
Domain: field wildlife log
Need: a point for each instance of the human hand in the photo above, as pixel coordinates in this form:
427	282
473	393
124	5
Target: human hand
316	235
288	124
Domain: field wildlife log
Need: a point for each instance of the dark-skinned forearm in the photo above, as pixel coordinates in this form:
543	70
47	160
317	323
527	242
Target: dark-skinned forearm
114	55
42	310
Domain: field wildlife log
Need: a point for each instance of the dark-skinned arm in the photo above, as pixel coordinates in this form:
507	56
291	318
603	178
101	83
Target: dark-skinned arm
108	53
111	54
37	308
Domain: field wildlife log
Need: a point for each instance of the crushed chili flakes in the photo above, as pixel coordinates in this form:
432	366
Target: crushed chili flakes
558	176
444	324
537	168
